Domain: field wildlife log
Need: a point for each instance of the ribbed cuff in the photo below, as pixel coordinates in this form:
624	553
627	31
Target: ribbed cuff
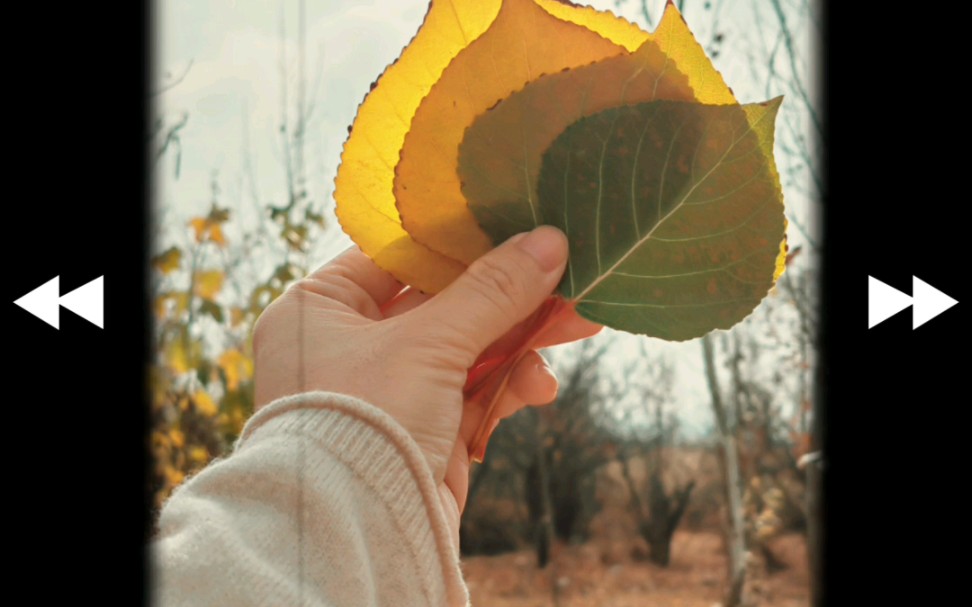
379	452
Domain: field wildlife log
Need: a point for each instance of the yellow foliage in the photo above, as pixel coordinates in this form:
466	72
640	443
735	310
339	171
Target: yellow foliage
175	356
233	421
160	440
168	261
198	455
513	51
207	284
237	367
216	235
174	476
208	228
157	379
237	315
204	403
454	32
363	186
198	226
177	437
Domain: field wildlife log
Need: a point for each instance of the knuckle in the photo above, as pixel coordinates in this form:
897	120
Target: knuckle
334	288
498	283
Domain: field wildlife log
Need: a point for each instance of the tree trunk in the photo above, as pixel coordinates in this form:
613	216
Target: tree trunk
664	511
737	531
539	499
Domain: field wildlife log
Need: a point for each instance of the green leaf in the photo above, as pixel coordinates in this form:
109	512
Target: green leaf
212	309
673	211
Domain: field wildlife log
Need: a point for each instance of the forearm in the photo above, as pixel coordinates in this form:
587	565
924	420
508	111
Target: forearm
325	500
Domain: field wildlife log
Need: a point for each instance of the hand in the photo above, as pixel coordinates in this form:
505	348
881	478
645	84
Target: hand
352	328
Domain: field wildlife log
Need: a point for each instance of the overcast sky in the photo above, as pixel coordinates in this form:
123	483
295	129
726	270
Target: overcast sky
219	64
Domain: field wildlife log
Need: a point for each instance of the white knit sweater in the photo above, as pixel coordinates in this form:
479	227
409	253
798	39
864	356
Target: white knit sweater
325	501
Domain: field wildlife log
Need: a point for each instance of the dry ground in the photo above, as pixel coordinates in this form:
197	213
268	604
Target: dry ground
694	579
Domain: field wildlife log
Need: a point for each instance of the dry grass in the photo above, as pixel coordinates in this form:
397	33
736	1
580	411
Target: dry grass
694	579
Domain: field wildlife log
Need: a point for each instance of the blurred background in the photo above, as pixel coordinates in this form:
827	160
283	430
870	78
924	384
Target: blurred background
676	474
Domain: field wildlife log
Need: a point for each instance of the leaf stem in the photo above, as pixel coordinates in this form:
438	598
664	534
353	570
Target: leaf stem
488	378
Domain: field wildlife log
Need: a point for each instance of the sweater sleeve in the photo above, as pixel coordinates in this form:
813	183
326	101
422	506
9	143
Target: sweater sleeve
325	501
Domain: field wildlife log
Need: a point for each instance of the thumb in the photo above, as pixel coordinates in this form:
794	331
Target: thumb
499	290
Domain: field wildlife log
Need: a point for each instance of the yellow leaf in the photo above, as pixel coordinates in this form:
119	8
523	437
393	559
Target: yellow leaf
177	437
173	476
204	403
198	226
161	306
208	284
363	185
236	316
168	260
237	367
616	29
198	455
528	123
216	235
516	49
677	42
208	228
181	302
175	356
236	421
158	383
160	440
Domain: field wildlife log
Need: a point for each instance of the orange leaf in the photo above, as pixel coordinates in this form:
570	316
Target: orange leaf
177	437
524	42
364	187
208	228
216	235
614	28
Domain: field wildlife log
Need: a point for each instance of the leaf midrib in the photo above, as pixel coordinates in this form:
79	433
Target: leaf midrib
641	241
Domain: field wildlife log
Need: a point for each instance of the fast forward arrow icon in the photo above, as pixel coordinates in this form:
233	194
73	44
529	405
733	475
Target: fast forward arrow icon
884	301
87	301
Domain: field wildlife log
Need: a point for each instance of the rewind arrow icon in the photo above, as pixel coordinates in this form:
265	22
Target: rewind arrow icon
87	301
884	301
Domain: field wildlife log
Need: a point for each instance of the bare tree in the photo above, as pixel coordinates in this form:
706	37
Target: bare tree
661	509
736	531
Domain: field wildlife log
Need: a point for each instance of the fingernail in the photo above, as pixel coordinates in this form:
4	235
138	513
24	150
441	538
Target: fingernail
546	245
